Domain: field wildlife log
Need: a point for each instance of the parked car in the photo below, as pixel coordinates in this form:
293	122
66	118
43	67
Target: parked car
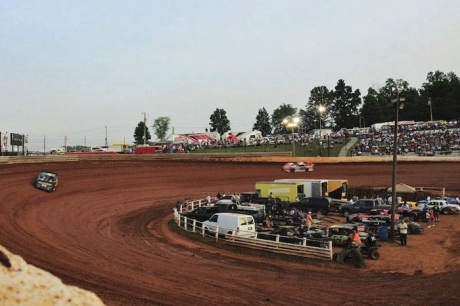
299	167
339	233
319	205
364	216
228	223
373	225
290	234
47	181
202	213
411	214
362	206
444	207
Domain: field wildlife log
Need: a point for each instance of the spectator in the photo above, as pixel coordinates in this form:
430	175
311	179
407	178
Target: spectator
309	220
268	223
436	212
301	230
430	218
353	239
405	209
178	206
208	200
403	232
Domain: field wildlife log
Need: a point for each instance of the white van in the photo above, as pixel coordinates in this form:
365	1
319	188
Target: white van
227	223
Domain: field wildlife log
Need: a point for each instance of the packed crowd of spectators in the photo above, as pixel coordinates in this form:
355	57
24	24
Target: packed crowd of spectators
421	139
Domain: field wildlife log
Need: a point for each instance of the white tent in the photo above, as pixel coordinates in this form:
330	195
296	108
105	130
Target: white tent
402	188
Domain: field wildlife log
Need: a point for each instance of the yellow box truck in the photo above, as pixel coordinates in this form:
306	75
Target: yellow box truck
285	191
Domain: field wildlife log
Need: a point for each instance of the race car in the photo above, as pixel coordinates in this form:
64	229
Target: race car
298	166
47	181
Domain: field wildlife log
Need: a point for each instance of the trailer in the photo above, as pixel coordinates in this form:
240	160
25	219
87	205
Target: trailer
333	188
118	147
286	191
148	149
336	189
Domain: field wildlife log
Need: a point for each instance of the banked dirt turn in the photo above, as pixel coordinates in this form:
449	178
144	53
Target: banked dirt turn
105	229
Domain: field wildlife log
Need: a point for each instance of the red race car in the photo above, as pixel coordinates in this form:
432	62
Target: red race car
374	214
298	166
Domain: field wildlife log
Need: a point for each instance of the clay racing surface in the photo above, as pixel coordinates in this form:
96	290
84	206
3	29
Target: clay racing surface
106	229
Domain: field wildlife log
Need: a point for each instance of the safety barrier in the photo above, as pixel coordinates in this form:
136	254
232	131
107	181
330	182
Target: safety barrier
282	248
280	157
299	250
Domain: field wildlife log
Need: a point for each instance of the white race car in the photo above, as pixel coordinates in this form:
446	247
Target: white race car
298	167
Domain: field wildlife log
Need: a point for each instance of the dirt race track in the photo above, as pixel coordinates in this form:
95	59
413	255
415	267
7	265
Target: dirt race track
106	229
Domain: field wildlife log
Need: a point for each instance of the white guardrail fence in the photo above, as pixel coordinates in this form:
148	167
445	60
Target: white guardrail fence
301	249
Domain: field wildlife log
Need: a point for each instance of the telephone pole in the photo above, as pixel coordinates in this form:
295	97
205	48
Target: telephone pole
145	129
106	143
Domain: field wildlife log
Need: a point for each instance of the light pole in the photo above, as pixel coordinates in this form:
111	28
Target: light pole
292	122
431	110
399	104
321	110
361	119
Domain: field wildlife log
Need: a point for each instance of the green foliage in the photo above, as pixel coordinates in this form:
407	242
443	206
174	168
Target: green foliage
442	89
161	127
139	133
344	108
282	112
262	122
318	96
219	121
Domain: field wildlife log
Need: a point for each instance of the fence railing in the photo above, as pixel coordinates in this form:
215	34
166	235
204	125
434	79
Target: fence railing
302	249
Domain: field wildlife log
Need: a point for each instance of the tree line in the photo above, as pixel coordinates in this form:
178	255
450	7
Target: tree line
342	107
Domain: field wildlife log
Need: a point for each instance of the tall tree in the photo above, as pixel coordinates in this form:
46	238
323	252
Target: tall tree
219	121
344	109
262	122
371	110
443	91
279	114
161	127
139	133
319	96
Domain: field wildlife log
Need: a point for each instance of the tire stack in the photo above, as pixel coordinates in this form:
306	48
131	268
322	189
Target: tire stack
357	258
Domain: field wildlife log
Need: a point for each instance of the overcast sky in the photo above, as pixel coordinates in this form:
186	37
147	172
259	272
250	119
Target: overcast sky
78	68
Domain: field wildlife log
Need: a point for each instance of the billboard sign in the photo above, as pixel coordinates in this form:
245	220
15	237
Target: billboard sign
16	139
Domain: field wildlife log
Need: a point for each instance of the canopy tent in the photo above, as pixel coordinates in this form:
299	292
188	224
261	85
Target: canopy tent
232	138
183	139
402	188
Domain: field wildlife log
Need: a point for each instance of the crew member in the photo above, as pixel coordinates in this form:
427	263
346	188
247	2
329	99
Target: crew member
403	232
354	239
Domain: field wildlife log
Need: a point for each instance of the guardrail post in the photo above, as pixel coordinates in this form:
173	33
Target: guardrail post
277	238
330	250
217	234
194	225
202	231
304	241
185	223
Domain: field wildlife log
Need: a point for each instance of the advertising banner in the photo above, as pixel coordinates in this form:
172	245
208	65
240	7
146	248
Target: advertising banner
16	140
4	141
